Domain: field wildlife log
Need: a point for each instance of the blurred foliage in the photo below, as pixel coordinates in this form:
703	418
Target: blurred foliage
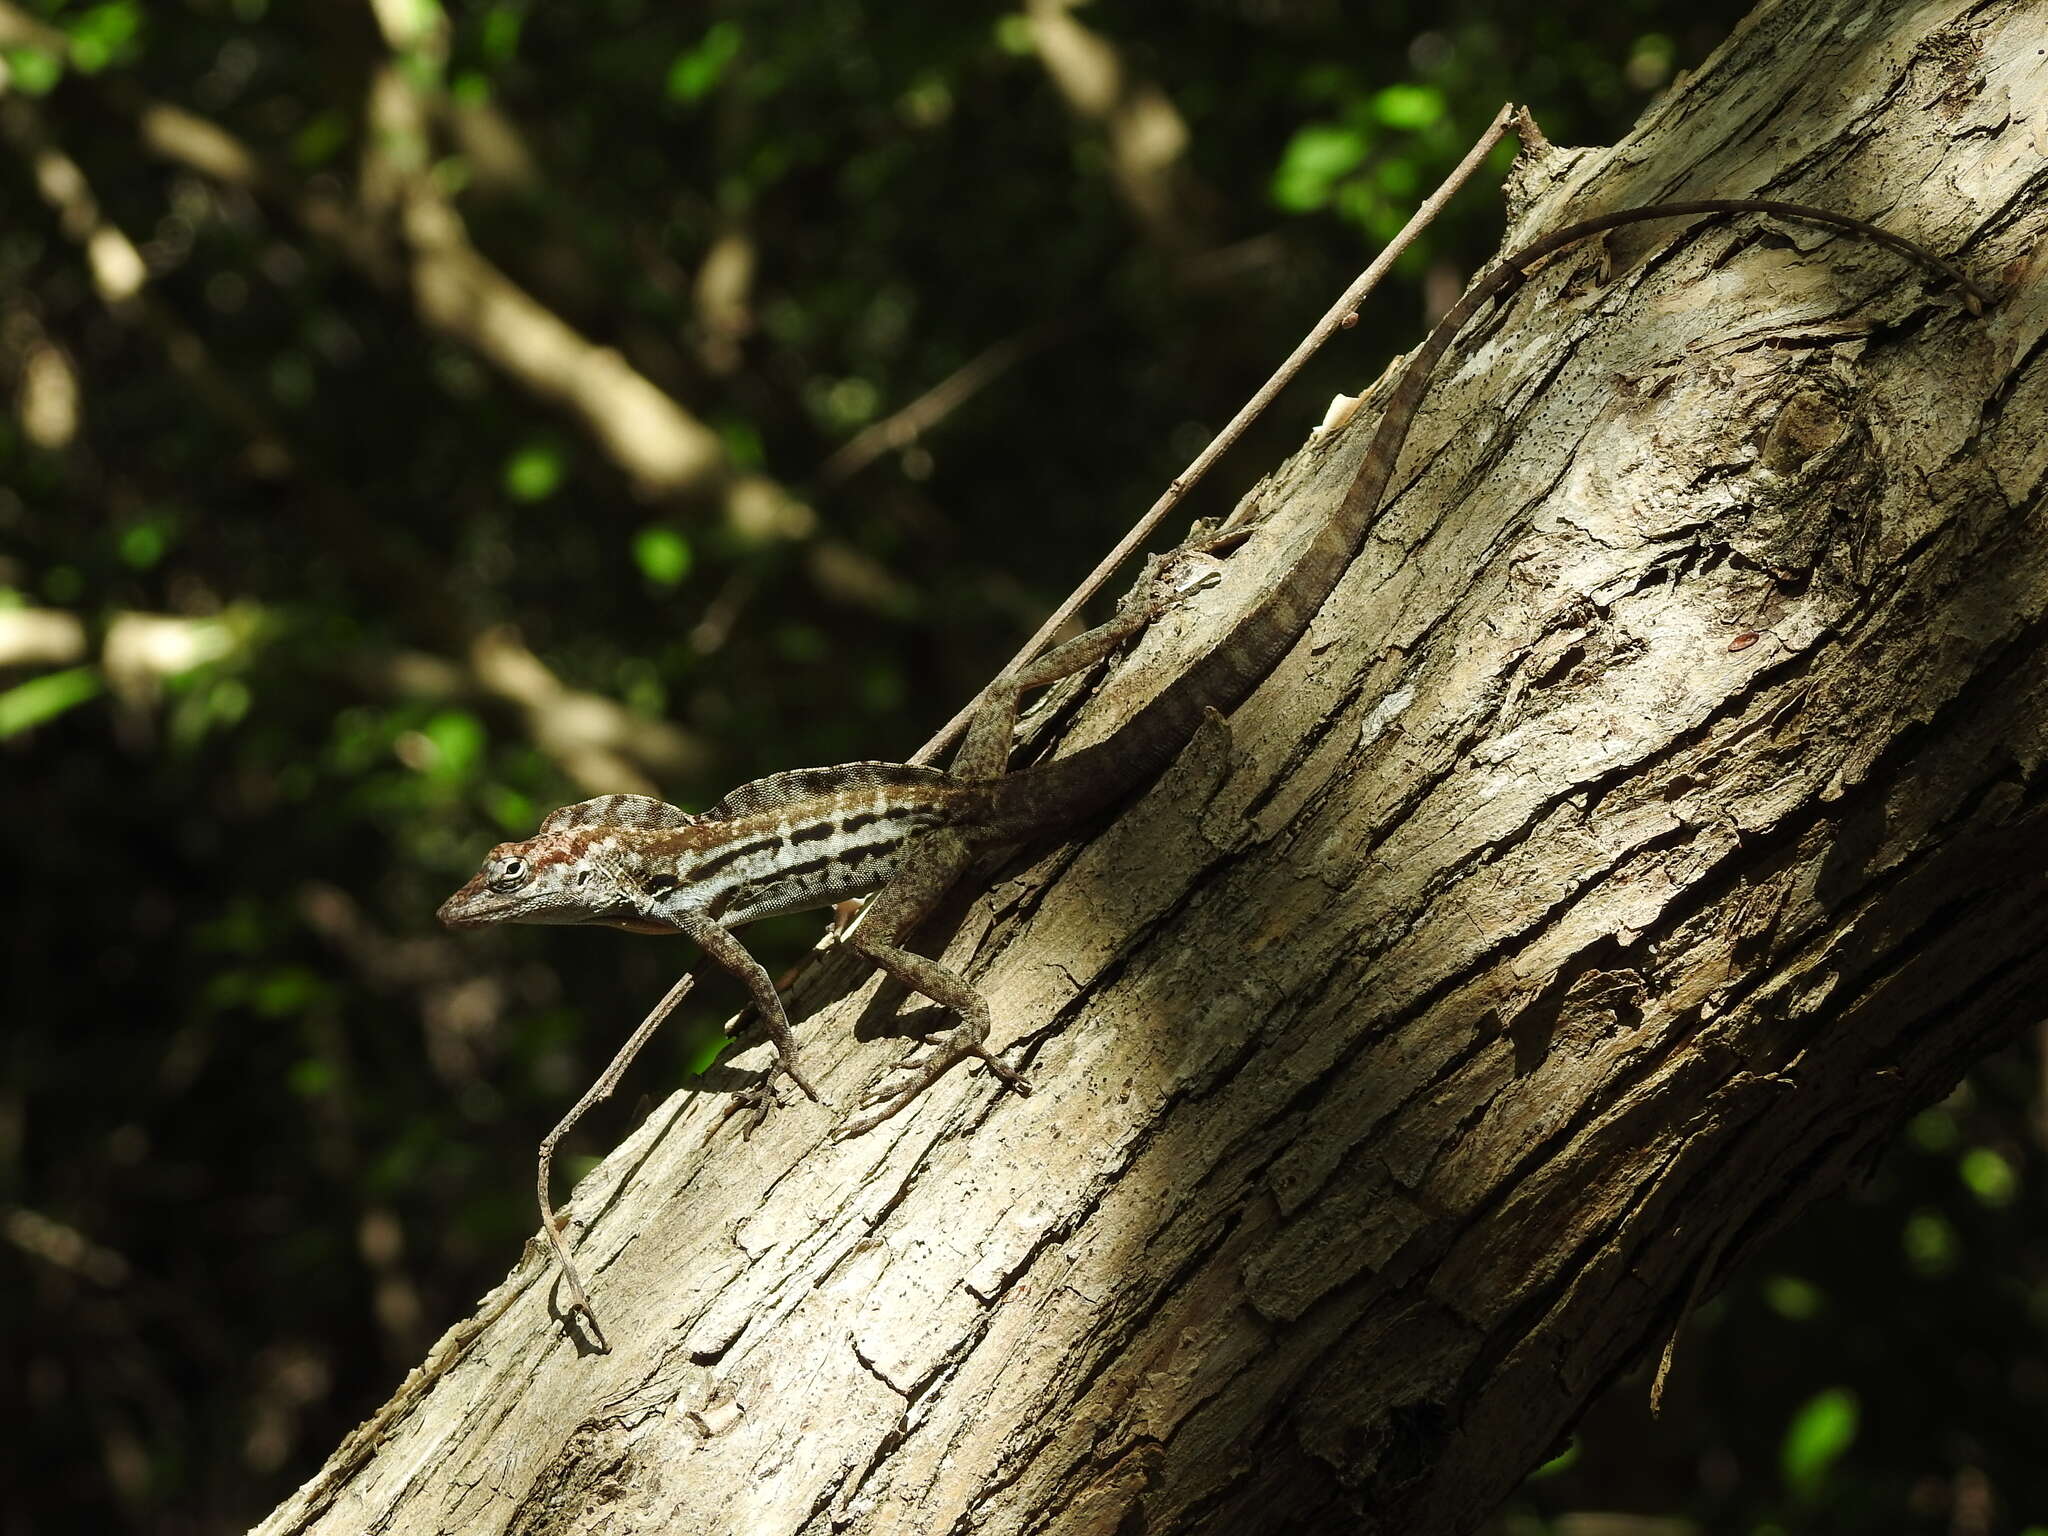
1883	1366
311	590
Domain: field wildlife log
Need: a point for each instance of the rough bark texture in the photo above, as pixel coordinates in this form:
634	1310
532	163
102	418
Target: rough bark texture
1534	942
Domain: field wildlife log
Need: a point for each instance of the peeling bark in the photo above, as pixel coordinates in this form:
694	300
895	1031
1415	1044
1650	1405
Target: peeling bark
1653	820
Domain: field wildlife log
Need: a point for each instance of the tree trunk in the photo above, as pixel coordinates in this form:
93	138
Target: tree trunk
1652	821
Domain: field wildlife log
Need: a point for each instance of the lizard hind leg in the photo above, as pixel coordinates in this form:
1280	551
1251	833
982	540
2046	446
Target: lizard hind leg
935	862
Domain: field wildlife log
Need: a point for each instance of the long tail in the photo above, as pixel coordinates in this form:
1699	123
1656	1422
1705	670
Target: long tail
1070	788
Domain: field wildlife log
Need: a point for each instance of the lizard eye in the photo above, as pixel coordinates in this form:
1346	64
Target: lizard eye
509	875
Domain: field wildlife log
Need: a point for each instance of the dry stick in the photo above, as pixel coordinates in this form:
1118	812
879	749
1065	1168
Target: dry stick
904	427
597	1093
1340	315
1708	1266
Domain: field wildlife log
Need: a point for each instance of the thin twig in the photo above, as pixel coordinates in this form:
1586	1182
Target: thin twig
597	1093
904	427
1210	268
1339	316
1708	1266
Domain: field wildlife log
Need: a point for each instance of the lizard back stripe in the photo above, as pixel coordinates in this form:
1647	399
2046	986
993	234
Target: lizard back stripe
834	846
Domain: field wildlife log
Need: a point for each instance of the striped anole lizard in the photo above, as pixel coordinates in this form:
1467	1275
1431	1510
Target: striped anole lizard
817	836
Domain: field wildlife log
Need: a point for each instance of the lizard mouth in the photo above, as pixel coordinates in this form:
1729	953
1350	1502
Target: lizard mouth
638	925
460	910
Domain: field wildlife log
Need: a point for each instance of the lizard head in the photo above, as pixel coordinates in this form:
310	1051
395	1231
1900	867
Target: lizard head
557	877
517	883
575	870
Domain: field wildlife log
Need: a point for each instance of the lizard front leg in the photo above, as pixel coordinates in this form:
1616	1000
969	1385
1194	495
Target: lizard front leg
728	952
935	862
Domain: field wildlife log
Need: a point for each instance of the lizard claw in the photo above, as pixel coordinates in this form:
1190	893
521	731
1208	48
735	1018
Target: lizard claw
755	1102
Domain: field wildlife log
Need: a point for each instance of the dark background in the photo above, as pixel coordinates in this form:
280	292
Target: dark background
311	591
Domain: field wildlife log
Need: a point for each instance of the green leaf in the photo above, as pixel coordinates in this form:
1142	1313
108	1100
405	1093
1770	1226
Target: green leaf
1819	1433
535	472
704	1041
697	70
1561	1462
102	34
1014	36
1650	61
324	136
1398	179
1315	159
292	380
640	687
32	71
311	1077
662	554
1408	107
842	404
1794	1298
1990	1177
1930	1242
510	809
883	688
238	930
46	697
800	642
144	544
1934	1130
742	442
224	990
228	701
500	39
458	738
285	991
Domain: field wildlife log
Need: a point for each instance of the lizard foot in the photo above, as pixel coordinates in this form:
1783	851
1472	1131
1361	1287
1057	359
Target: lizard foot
1175	576
1170	577
755	1103
758	1101
799	1079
